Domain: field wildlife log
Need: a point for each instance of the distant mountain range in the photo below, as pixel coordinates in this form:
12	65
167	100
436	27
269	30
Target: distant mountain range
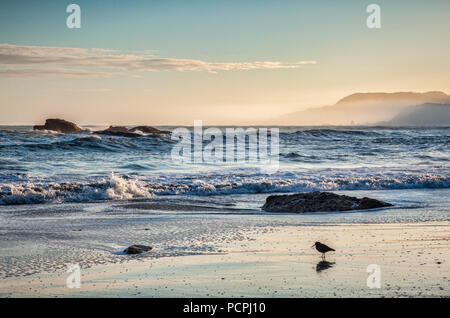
428	114
402	108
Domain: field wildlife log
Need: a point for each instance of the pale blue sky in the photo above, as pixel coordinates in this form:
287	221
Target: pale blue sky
409	53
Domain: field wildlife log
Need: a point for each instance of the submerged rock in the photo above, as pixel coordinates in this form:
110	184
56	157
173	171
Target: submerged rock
59	125
117	131
319	202
149	130
133	132
137	249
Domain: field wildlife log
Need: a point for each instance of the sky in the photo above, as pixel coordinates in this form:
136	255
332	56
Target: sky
224	62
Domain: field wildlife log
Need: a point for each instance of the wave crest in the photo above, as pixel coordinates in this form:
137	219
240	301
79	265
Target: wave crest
128	188
114	188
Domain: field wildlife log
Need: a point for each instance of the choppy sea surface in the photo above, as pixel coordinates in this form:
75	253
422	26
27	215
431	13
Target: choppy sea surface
45	167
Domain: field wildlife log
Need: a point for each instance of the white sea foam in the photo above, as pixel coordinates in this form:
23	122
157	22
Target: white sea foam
121	189
112	188
125	187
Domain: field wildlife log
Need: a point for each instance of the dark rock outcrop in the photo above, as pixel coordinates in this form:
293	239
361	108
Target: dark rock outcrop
64	126
133	132
137	249
117	131
149	130
59	125
319	202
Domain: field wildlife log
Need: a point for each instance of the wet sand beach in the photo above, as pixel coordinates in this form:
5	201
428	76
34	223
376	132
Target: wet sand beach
276	261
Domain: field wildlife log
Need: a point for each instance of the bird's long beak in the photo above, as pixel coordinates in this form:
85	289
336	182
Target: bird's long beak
313	245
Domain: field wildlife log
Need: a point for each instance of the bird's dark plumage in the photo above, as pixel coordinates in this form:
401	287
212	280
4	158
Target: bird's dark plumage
322	248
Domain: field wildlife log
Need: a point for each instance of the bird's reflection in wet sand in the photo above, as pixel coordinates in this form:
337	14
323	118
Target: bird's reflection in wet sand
322	265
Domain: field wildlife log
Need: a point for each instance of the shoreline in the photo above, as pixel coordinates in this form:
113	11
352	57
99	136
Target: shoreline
278	262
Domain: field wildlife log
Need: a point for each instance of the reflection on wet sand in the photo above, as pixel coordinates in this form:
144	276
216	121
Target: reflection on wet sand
322	265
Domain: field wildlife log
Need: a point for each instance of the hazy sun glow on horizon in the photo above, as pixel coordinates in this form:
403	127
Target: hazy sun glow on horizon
237	62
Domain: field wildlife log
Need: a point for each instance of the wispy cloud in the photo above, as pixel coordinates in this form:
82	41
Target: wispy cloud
95	62
50	72
89	90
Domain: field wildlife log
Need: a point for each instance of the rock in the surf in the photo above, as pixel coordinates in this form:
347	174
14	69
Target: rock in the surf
319	202
137	249
133	132
149	130
118	131
59	125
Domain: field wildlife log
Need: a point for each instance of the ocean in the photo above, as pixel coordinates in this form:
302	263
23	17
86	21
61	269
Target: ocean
39	167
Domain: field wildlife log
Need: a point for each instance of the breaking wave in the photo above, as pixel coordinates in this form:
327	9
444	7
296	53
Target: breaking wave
129	187
43	167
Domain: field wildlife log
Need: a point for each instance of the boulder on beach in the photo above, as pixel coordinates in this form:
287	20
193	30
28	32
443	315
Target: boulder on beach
59	125
137	249
319	202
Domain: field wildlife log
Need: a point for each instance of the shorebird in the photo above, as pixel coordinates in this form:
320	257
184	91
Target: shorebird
322	248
